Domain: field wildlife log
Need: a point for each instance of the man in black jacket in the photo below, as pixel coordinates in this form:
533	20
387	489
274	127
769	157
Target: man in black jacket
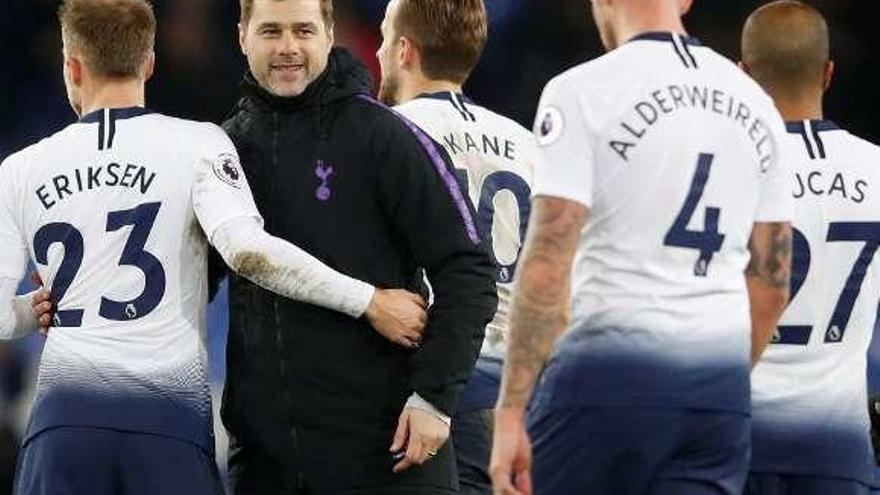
316	403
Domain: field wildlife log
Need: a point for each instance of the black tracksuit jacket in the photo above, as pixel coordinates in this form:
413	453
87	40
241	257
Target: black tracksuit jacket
312	396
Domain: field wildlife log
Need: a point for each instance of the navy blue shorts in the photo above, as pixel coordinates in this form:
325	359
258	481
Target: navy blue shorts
779	484
472	427
94	461
638	451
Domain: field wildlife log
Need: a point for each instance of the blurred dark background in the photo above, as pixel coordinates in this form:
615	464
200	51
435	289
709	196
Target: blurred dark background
199	68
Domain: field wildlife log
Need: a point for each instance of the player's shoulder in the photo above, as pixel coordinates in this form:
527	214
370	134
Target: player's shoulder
186	130
417	106
423	111
859	149
845	135
615	67
47	147
504	125
726	74
573	77
596	80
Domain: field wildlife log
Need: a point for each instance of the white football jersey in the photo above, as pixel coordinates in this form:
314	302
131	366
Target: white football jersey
676	153
809	391
495	156
115	210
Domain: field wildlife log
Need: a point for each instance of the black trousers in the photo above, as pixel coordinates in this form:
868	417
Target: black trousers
252	472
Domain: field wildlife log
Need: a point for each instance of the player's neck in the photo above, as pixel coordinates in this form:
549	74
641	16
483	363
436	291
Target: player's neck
799	109
662	18
112	94
421	85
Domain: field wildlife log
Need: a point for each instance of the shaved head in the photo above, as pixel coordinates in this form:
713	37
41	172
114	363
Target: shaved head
785	47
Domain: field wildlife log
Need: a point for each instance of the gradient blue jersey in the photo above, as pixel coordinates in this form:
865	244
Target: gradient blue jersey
809	391
115	210
676	153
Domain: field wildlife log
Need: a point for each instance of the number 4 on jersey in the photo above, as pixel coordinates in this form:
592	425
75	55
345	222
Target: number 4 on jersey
707	241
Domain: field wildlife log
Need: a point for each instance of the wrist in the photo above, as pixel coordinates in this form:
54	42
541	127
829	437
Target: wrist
368	306
510	408
416	401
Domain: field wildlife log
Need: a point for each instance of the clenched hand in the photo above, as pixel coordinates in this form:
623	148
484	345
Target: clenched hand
399	315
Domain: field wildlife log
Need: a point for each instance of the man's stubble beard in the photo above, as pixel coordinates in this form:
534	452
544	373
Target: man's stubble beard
388	92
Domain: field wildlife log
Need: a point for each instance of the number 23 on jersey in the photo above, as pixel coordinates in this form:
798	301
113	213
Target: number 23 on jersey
141	220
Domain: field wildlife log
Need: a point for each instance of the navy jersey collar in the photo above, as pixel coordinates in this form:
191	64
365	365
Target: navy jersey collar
797	126
445	95
115	114
665	36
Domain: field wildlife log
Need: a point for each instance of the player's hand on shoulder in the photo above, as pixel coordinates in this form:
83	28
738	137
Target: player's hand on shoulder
399	315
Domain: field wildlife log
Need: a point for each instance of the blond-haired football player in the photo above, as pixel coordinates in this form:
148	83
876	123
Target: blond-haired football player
661	213
117	211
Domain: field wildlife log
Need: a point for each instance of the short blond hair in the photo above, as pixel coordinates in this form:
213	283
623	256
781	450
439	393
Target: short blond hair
450	35
115	38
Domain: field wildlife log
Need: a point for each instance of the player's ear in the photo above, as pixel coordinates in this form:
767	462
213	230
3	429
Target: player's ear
684	6
828	75
75	69
408	55
150	67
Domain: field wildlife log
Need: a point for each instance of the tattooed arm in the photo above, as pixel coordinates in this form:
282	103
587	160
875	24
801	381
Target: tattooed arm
539	315
767	276
541	298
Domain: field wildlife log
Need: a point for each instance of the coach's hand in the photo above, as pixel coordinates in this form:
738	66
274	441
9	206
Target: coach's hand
42	304
399	315
422	435
511	462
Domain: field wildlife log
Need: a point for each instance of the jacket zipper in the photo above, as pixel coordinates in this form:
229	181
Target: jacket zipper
298	480
273	183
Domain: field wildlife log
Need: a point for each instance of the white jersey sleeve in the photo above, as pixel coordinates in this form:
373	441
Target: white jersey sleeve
285	269
776	203
221	195
16	316
14	257
220	188
565	165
